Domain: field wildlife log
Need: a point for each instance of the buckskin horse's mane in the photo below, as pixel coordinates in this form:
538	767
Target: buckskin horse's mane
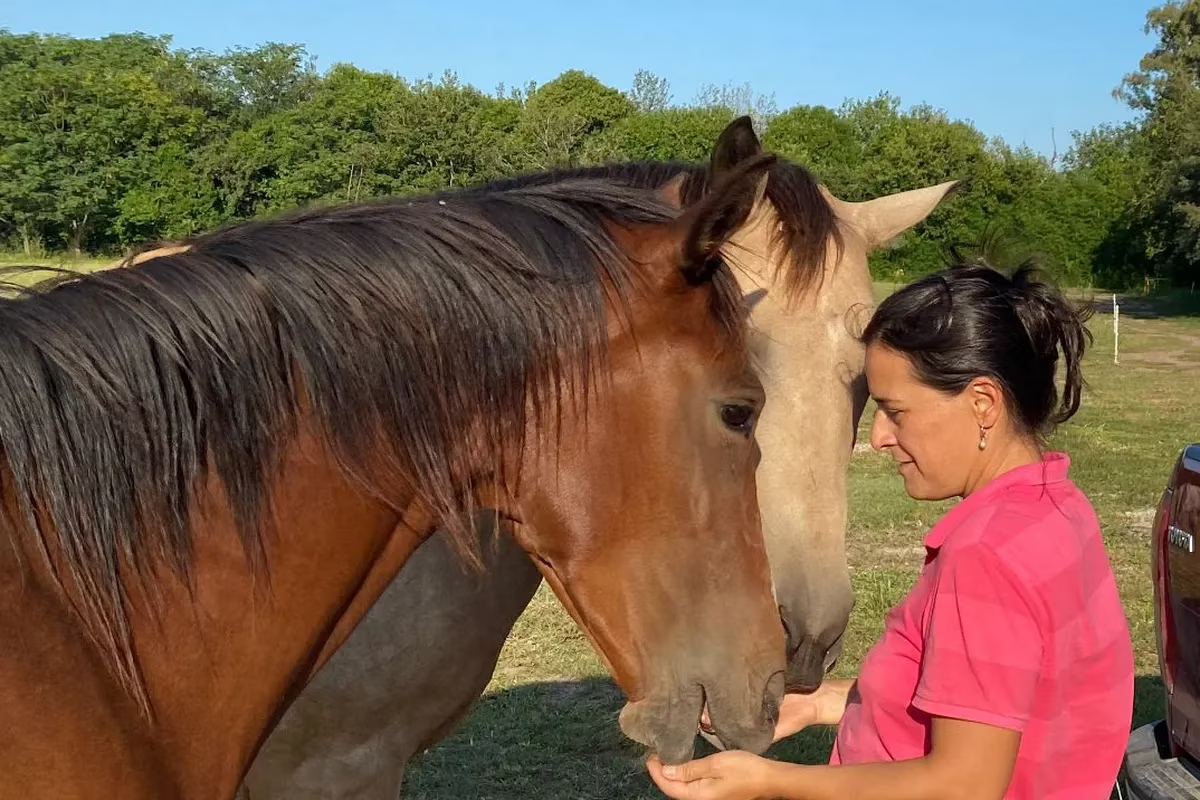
807	221
429	321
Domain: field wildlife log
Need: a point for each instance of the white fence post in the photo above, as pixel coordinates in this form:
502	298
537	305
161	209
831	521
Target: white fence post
1116	328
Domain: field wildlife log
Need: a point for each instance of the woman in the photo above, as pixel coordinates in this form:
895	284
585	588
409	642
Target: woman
1007	670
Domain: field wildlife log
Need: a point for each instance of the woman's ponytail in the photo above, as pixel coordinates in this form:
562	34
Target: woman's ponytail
1053	325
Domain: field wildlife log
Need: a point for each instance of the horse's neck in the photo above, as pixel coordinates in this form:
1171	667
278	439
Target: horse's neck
244	647
220	661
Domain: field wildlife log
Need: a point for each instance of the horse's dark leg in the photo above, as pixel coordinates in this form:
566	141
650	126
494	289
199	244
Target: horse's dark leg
404	678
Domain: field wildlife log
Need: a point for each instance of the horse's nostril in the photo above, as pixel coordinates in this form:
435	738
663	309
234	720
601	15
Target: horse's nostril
791	641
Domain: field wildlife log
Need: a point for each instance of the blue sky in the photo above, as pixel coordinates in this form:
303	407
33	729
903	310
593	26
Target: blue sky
1016	69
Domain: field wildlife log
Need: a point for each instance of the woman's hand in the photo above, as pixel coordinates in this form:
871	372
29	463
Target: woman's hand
825	706
797	712
731	775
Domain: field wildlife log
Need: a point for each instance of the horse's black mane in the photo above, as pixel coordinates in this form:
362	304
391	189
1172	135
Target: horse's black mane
808	222
418	320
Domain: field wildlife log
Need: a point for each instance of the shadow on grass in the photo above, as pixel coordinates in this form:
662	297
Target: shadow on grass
554	740
560	740
1161	305
1149	699
539	740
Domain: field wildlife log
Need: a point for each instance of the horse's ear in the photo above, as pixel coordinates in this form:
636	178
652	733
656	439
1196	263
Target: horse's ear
750	300
735	144
707	225
884	218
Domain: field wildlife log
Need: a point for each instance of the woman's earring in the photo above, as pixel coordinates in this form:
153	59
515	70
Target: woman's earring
982	437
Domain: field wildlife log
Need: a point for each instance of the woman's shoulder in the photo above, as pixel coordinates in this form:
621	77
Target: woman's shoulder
1035	531
1033	496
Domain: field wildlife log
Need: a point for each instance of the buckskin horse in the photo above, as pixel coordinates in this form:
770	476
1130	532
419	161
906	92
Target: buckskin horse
216	459
405	678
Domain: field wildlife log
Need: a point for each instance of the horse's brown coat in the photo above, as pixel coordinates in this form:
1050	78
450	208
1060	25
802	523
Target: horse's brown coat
642	513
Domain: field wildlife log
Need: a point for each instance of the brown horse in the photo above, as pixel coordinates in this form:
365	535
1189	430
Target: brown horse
215	460
403	680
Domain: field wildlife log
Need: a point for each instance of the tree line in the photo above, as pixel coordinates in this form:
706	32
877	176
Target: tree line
107	143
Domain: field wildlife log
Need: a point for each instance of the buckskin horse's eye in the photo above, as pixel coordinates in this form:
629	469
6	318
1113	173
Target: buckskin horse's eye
738	418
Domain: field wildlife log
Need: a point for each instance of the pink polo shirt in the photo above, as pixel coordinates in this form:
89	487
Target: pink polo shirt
1014	621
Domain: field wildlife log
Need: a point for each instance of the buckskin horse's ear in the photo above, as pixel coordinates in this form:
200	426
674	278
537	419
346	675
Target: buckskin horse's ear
881	219
750	300
708	224
735	144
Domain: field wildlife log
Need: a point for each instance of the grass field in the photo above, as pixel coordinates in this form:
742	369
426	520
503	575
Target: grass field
81	264
547	725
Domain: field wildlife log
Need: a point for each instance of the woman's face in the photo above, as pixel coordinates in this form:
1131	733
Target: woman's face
933	437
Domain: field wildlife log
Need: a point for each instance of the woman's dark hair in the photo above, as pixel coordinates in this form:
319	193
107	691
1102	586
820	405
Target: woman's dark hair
971	320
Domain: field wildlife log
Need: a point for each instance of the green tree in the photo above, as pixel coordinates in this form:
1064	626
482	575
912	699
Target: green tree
256	82
80	120
823	141
738	99
108	142
445	134
650	93
327	147
561	121
1166	89
671	134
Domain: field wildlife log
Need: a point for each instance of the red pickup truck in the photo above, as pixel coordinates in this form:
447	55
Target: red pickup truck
1162	759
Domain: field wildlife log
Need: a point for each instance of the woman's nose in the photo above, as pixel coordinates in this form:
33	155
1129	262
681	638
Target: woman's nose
882	433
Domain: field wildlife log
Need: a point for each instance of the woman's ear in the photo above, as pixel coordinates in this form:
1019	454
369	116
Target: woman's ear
987	401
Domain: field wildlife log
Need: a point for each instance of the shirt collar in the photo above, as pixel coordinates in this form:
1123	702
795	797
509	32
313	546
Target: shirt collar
1051	469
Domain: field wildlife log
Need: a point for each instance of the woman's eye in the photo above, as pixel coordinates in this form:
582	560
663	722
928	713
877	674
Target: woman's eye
738	418
890	413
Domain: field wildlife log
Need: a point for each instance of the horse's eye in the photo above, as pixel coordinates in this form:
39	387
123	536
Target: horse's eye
737	417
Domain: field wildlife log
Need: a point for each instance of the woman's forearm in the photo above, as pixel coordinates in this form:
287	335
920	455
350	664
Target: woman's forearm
915	779
968	761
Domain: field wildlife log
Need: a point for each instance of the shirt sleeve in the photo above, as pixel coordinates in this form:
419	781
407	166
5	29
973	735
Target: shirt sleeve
983	643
